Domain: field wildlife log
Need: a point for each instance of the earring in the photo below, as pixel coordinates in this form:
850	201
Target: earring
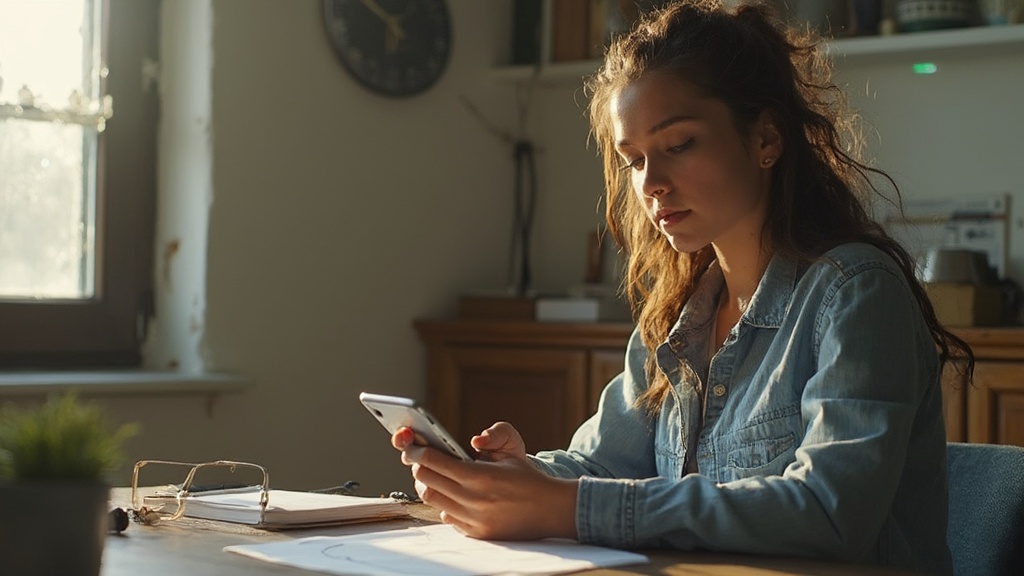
767	162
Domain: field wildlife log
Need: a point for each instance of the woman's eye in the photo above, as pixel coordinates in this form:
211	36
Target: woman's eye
681	147
634	164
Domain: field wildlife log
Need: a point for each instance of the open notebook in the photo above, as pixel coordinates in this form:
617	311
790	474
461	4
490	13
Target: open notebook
285	508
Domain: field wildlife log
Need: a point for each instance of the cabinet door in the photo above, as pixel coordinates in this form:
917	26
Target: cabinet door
540	392
995	403
604	365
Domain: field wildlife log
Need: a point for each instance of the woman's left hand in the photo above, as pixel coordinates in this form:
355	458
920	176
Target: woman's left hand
501	496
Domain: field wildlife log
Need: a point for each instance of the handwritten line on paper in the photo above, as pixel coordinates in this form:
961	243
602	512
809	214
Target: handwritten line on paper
436	550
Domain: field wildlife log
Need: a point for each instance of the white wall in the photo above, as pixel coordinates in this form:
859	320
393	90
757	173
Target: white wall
955	133
338	218
333	218
571	188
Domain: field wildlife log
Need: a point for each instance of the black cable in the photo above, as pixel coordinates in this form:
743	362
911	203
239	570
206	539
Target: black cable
525	204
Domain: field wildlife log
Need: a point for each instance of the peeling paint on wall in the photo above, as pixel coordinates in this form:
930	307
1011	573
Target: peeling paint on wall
171	250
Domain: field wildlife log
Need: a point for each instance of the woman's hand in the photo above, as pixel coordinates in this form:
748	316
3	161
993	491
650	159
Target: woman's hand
499	442
500	496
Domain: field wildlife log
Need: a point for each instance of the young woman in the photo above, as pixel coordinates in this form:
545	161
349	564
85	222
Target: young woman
781	391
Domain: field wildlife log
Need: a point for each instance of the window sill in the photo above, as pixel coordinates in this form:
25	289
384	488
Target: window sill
120	383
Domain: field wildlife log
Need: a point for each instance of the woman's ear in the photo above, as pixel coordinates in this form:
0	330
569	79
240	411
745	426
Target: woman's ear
768	139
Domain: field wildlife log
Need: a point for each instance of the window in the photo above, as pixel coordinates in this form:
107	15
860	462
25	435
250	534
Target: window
78	113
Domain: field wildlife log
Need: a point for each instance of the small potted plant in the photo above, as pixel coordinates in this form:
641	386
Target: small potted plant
55	459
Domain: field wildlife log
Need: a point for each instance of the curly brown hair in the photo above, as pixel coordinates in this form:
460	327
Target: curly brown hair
753	62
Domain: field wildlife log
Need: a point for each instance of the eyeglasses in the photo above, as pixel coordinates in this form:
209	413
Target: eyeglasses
146	515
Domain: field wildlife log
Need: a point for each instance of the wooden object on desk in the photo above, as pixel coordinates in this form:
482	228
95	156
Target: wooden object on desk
545	378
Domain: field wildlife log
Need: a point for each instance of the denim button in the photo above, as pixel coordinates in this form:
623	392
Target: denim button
718	390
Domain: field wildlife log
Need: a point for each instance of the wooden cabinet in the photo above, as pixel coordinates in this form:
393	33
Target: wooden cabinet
992	407
546	378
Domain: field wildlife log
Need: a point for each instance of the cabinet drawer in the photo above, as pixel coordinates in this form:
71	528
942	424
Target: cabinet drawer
995	403
540	392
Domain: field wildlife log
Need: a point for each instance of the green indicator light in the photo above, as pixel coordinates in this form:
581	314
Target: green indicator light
925	68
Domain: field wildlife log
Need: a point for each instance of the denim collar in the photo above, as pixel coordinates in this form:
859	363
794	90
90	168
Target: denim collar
767	307
774	293
699	311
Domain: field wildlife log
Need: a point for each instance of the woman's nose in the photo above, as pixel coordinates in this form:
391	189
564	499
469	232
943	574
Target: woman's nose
653	181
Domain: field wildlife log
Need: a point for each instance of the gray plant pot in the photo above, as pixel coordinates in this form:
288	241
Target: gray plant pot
53	527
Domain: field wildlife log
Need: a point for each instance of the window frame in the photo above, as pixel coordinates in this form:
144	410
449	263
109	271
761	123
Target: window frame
108	329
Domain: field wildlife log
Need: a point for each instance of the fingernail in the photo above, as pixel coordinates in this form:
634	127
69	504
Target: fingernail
405	436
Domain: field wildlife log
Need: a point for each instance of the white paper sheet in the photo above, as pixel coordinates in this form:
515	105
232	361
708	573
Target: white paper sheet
436	550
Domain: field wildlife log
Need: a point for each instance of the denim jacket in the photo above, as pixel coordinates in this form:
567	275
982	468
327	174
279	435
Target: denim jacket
822	433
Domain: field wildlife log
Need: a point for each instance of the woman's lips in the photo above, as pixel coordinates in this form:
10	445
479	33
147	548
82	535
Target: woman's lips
669	217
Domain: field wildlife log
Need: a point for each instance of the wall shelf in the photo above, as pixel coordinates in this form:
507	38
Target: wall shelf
979	39
973	41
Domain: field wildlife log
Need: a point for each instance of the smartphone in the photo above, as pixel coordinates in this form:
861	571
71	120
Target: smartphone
394	412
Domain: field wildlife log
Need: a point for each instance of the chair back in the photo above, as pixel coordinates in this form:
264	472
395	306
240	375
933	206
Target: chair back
986	509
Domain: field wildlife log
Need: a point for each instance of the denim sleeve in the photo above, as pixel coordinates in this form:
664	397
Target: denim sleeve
618	440
873	363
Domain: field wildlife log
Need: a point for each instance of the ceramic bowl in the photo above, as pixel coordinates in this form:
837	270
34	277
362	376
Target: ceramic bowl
958	266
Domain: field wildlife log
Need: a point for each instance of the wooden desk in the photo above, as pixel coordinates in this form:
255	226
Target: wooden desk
174	549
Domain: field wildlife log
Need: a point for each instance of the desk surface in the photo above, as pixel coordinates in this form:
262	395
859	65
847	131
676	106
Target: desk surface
195	548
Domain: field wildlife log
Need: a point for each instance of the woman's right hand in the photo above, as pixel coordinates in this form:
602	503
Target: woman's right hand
502	495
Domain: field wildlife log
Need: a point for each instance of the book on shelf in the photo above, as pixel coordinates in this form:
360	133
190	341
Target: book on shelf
285	508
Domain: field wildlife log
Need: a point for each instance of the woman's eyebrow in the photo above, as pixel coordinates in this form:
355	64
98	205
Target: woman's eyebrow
670	121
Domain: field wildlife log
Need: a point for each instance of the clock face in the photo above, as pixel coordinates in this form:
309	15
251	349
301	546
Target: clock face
393	47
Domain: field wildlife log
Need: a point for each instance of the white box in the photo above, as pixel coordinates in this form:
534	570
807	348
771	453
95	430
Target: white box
568	309
581	309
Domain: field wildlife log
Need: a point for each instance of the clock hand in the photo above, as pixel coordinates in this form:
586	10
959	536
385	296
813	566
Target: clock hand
392	36
394	33
376	9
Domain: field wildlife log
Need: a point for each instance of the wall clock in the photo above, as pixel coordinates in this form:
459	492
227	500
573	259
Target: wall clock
393	47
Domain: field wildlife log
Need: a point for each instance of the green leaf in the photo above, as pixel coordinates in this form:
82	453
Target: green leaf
61	439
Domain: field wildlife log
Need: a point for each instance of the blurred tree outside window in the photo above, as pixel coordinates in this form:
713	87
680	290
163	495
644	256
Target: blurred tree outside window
77	180
52	109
